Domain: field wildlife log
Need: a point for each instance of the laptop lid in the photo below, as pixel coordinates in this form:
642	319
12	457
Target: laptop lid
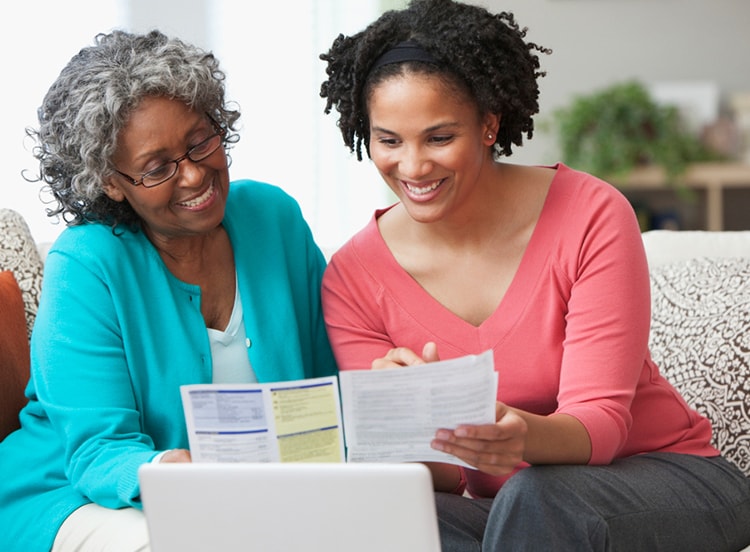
326	507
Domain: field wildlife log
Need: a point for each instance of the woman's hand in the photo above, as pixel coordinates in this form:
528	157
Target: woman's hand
176	455
403	356
495	449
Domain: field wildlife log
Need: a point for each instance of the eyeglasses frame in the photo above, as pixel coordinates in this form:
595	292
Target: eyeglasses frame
219	132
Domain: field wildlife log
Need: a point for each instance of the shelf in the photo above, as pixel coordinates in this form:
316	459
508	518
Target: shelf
713	178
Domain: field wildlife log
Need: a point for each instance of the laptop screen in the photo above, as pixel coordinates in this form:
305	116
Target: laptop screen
326	507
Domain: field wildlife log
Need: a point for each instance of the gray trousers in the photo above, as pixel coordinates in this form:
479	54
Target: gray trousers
650	502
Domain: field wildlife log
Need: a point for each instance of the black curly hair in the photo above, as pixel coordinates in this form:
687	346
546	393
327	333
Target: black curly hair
482	54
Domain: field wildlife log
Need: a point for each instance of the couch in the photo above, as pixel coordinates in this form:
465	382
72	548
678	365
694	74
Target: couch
700	332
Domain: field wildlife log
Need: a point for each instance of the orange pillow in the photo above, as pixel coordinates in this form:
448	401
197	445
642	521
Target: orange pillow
14	353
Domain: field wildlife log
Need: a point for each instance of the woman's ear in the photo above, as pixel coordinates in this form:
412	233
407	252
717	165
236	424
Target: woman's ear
491	124
113	191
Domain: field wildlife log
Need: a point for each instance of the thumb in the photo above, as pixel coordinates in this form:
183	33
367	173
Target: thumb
430	352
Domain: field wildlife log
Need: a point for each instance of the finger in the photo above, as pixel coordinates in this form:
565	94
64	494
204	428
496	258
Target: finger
430	352
176	455
496	448
384	364
500	410
398	356
482	432
504	418
492	448
493	462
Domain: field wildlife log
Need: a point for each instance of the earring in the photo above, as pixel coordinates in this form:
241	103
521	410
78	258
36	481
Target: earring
489	136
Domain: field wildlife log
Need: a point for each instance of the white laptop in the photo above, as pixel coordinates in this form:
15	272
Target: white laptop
289	507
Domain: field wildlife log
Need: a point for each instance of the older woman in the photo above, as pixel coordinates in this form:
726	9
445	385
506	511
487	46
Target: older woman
166	275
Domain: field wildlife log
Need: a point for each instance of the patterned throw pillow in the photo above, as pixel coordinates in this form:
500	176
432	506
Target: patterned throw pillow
700	338
19	254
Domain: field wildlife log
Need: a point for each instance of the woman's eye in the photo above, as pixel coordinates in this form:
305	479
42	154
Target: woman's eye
388	141
159	172
441	139
201	147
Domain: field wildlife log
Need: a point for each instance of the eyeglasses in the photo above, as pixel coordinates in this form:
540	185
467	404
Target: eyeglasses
164	172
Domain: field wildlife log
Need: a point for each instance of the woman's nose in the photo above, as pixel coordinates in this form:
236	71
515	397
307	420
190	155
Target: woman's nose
189	173
414	163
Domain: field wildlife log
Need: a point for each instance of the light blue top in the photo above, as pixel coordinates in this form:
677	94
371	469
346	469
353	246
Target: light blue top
229	348
117	334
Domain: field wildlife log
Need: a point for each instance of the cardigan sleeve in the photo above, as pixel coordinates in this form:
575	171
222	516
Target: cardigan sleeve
82	381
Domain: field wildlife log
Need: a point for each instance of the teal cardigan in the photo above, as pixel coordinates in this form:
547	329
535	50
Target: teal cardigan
117	334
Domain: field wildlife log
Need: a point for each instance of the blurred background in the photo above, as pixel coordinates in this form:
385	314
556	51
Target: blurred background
688	54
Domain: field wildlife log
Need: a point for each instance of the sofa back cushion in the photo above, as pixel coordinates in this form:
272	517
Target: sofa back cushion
668	246
14	353
700	338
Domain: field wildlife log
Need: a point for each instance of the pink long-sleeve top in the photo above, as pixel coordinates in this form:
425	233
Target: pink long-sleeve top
569	336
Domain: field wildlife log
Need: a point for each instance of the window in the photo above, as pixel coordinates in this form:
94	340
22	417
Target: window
274	73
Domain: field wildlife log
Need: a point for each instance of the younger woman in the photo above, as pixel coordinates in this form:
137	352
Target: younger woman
592	448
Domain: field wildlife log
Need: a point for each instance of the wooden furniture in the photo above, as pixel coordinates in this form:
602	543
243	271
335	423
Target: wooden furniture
713	179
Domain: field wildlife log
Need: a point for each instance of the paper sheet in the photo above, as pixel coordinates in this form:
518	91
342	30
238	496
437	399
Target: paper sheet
274	422
380	415
392	415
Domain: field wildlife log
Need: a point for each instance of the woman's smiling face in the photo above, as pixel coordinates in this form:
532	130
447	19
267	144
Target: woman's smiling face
428	142
191	202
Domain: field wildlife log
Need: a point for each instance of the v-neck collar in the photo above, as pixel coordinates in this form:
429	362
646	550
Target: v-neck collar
424	308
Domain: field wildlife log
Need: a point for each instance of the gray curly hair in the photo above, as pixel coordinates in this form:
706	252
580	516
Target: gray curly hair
88	105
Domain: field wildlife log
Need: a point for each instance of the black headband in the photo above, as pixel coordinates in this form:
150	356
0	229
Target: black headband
401	52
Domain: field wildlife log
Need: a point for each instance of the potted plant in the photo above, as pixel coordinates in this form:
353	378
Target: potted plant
614	130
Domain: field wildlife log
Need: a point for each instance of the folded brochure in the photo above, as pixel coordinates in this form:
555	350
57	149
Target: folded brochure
360	416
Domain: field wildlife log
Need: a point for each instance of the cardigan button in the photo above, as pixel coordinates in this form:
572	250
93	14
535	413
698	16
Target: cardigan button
248	342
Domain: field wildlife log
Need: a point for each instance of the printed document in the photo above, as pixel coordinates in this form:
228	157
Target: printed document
287	421
392	415
361	416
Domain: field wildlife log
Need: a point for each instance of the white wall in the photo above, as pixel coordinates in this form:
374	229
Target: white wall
598	42
37	39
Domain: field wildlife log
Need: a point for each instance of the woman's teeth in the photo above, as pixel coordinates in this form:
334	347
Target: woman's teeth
200	199
421	190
